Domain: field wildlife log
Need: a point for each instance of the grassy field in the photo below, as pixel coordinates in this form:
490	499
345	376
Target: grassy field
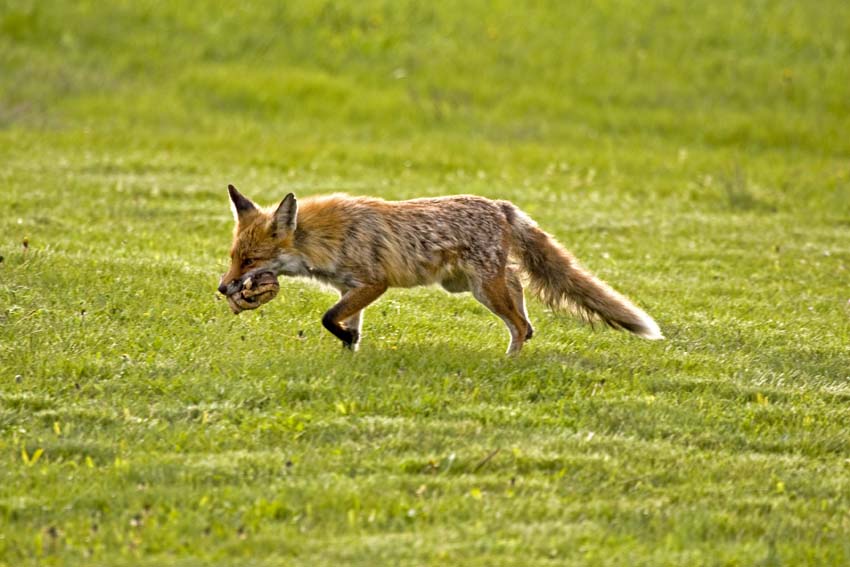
695	155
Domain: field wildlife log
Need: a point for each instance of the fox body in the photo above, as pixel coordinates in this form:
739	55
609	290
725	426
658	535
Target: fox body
361	246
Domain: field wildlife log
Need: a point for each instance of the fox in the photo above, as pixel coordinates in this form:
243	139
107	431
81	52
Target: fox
361	246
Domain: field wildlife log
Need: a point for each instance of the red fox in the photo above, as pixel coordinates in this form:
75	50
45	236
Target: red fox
362	245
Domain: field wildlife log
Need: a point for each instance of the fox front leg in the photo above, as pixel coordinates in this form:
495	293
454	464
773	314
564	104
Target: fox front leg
354	324
347	310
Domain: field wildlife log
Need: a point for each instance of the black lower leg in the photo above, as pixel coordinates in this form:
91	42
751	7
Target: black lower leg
349	337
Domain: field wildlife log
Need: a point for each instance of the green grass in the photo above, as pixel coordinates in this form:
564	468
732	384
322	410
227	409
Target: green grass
694	155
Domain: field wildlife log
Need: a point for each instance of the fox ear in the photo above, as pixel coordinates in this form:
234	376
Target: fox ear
240	204
283	220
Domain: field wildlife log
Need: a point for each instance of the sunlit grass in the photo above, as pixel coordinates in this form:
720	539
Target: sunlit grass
694	156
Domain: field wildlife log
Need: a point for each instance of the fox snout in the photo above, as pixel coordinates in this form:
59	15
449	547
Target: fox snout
229	288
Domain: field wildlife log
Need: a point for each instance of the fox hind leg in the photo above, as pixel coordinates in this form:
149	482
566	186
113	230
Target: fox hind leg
495	294
515	287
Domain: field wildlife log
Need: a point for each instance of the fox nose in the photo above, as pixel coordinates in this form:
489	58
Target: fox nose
222	288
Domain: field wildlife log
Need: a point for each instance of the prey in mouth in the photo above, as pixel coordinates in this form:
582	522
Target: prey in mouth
252	291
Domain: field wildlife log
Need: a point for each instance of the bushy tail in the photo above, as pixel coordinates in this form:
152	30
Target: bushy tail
562	284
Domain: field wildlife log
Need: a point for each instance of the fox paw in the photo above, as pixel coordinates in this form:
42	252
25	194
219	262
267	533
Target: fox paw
352	341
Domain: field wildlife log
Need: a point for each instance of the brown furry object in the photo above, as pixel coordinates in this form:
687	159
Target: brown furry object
255	291
362	246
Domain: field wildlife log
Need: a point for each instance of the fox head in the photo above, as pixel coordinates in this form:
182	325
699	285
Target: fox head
261	239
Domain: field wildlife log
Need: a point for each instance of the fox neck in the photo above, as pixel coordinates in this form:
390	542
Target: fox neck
290	263
310	254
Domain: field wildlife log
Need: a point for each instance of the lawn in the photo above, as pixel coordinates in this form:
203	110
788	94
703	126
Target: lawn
694	155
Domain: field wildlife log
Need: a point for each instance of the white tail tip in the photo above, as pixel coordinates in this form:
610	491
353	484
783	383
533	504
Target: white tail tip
650	330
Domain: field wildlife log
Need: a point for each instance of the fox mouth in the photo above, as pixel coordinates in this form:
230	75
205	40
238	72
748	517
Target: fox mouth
255	290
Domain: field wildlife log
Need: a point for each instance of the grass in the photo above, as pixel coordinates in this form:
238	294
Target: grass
694	156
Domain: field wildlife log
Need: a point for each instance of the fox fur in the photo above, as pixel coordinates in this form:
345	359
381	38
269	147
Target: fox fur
362	245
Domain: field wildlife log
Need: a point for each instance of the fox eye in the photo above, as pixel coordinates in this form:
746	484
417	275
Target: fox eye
247	262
